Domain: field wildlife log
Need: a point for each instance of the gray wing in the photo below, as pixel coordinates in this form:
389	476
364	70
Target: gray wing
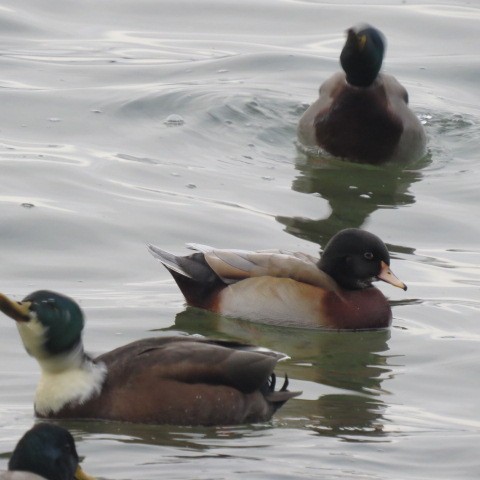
235	265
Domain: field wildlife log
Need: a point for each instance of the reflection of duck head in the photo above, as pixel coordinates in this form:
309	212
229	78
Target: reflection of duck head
353	192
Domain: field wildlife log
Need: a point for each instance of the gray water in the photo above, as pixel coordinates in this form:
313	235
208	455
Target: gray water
127	122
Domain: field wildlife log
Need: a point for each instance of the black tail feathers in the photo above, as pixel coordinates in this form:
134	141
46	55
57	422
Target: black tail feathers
279	397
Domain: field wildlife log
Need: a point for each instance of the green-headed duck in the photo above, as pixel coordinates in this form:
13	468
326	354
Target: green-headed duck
45	452
167	380
362	115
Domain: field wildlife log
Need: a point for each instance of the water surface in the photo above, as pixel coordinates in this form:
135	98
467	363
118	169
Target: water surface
171	122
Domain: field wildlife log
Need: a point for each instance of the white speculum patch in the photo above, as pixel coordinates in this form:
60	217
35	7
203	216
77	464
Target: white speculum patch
66	378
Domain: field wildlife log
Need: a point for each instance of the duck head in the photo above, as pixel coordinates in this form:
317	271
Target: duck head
355	258
49	323
362	55
48	450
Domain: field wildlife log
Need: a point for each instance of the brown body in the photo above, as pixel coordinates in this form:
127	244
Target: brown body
184	381
280	288
364	124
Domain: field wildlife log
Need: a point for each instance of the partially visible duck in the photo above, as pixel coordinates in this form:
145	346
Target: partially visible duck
169	380
362	115
293	289
45	452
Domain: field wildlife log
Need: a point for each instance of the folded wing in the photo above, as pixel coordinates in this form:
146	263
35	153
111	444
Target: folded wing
235	265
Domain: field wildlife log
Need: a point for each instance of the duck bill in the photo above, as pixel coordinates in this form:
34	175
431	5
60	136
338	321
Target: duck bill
19	311
81	475
386	275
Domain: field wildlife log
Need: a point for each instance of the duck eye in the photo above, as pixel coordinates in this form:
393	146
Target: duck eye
368	255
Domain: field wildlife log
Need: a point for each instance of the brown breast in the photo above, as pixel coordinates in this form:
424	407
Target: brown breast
359	125
357	309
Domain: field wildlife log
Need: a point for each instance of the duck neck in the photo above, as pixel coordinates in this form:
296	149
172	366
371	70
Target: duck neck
362	87
67	378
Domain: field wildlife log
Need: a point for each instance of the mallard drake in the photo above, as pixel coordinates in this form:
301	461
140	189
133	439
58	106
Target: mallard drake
45	452
362	115
167	380
293	289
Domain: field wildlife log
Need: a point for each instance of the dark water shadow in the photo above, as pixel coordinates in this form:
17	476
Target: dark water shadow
353	192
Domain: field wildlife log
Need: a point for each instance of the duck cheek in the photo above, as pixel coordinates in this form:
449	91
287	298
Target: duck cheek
362	269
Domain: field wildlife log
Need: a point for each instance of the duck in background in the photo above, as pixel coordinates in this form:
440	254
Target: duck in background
362	115
166	380
291	289
45	452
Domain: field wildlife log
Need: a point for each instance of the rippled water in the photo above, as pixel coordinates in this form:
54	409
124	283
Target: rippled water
168	122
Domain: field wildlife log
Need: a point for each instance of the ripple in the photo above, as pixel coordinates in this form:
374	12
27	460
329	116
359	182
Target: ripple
174	120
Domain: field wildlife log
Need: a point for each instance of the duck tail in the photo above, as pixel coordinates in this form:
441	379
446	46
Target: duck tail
196	280
279	397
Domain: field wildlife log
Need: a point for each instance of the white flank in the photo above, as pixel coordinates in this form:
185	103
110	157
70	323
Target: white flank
272	301
66	378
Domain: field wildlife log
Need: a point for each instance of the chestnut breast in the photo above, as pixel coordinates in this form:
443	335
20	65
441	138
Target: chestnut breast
359	124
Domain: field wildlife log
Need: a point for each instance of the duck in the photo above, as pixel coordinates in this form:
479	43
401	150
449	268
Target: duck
362	115
180	380
45	452
290	288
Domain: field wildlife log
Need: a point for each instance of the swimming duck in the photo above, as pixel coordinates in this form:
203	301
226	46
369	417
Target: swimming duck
293	289
362	115
45	452
167	380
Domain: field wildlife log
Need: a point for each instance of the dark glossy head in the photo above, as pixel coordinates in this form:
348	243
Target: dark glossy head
49	323
362	55
47	450
355	258
61	316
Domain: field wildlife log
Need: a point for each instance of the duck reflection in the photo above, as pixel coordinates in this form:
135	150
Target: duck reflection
351	360
352	364
197	438
347	416
353	192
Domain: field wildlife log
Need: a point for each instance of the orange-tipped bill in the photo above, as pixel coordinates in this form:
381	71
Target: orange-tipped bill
19	311
386	275
81	475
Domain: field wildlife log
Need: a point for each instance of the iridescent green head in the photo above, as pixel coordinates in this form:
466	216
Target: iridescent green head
362	55
49	451
49	323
